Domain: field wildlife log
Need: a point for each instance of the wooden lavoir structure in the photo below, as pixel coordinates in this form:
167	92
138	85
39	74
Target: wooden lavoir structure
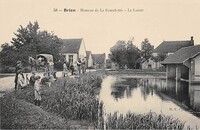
185	65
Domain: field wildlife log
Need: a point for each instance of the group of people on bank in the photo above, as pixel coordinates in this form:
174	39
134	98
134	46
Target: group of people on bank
75	69
36	64
35	81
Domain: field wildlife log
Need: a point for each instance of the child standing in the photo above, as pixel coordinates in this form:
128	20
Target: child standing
65	70
37	91
32	79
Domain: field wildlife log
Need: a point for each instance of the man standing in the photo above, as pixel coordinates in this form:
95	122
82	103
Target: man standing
83	66
71	68
79	65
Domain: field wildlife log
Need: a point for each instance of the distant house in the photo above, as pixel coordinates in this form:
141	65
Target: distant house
184	64
170	47
89	60
99	61
72	49
151	64
148	64
108	63
114	66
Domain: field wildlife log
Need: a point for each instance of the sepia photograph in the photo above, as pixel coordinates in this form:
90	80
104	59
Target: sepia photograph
100	64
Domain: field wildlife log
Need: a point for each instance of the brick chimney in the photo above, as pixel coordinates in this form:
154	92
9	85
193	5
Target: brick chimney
192	41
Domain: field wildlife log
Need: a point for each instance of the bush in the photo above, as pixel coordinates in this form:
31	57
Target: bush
12	70
150	120
7	70
74	98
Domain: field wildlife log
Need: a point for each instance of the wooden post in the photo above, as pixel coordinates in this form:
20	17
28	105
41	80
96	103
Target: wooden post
178	72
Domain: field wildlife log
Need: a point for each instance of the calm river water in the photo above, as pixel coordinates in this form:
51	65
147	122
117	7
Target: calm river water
142	95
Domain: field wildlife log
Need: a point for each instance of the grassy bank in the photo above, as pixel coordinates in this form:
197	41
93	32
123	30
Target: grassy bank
19	114
71	99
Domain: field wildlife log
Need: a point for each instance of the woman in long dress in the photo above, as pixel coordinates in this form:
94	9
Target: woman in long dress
22	80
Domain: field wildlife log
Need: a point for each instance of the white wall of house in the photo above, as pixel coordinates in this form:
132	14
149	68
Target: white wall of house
155	54
82	54
170	53
197	65
90	61
82	51
68	55
157	65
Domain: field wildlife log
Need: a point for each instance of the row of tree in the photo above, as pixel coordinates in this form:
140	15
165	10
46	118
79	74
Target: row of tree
126	54
29	41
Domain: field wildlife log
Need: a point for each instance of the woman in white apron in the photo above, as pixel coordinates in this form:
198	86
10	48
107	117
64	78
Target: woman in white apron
37	91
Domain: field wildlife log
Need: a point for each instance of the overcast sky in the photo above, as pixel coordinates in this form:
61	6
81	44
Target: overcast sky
160	20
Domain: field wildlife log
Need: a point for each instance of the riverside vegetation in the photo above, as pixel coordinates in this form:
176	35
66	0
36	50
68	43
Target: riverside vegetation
77	100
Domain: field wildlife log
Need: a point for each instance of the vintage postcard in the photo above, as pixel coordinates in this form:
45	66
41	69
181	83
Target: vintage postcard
109	64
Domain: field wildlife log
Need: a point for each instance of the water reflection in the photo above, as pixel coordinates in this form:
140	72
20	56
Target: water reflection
122	88
178	90
140	95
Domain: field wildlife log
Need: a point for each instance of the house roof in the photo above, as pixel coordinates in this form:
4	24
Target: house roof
71	45
172	46
88	53
182	55
99	58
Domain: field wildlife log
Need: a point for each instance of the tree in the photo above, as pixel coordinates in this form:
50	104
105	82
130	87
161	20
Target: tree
118	53
124	53
160	57
132	54
146	49
7	55
29	41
